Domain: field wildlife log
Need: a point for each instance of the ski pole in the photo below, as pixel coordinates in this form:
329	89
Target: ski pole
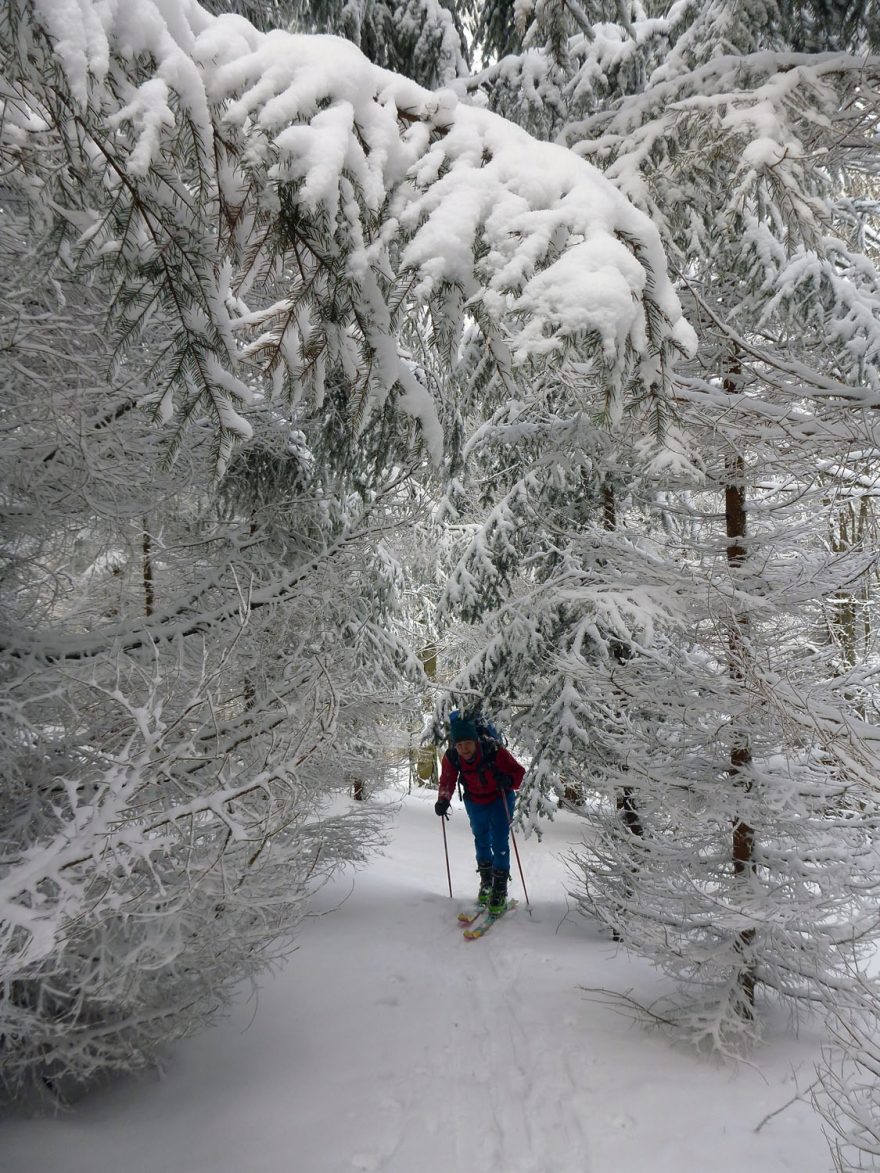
515	848
446	853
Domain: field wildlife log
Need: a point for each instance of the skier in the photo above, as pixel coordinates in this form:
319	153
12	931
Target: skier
489	776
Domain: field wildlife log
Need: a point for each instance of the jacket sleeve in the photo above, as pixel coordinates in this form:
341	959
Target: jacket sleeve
448	778
507	764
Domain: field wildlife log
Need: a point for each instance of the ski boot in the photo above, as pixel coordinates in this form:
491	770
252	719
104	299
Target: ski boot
485	893
498	898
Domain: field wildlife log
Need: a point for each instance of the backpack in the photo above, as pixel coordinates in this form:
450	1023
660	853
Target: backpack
486	727
490	740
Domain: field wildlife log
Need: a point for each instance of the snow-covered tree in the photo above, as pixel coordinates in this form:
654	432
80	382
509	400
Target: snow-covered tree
849	1077
422	39
662	623
782	289
270	246
188	675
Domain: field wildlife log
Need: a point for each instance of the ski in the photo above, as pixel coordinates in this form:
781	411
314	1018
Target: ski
468	916
473	932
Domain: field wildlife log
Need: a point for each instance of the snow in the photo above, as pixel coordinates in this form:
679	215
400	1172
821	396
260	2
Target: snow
388	1044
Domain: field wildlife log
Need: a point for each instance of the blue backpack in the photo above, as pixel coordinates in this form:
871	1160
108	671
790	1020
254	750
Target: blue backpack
490	740
486	728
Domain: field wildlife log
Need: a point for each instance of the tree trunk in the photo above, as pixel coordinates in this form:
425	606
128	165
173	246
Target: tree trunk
849	621
627	806
426	769
147	569
740	755
629	812
626	797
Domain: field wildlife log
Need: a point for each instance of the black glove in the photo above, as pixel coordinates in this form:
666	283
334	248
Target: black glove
441	806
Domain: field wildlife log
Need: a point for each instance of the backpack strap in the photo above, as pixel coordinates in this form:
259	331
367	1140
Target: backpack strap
488	752
452	754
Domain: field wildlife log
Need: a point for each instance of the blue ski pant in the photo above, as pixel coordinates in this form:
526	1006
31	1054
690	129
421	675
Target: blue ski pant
490	823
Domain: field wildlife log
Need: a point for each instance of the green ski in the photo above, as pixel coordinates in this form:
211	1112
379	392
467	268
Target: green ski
480	930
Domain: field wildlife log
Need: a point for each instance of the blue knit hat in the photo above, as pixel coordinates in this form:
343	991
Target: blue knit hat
461	729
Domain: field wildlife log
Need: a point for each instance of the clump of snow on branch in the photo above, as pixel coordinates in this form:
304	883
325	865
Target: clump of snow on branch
349	198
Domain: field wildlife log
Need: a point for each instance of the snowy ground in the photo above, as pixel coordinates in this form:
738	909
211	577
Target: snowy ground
390	1044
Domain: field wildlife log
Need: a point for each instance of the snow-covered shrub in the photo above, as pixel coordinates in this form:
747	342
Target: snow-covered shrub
188	678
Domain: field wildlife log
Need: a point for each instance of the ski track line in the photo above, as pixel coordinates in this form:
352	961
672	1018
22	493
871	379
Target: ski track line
548	1077
478	1131
450	1098
548	1081
545	1131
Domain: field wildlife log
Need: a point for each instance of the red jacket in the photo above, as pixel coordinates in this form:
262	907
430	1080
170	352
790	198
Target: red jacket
482	781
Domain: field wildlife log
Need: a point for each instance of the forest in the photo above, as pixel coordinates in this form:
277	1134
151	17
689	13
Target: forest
367	360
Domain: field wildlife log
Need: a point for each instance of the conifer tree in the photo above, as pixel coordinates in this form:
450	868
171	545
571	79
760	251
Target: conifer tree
675	659
200	585
422	39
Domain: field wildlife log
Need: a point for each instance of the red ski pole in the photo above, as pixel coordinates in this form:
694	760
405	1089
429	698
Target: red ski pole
515	848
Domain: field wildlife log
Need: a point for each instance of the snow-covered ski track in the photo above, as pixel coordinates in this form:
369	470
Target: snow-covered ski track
390	1045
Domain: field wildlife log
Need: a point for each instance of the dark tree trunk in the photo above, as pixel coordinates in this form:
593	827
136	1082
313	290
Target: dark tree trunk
147	567
743	845
629	812
626	798
626	802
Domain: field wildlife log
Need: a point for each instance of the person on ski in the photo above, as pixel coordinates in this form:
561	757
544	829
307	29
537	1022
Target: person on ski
490	775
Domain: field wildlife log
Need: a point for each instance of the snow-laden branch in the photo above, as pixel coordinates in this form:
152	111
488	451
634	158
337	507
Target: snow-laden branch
237	177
